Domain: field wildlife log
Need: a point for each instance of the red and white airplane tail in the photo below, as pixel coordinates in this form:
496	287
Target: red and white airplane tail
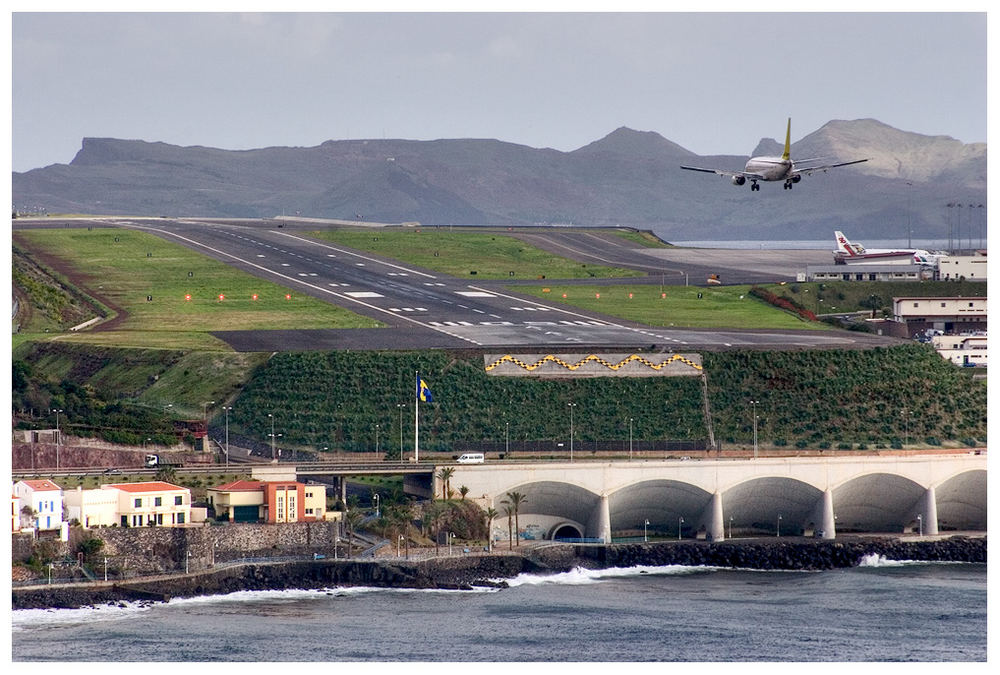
846	248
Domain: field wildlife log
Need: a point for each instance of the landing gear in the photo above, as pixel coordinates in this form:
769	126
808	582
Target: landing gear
788	184
754	187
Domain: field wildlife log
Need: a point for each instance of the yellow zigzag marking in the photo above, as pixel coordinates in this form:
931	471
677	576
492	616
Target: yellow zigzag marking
593	357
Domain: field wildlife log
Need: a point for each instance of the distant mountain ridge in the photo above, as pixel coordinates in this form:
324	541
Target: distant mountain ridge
629	178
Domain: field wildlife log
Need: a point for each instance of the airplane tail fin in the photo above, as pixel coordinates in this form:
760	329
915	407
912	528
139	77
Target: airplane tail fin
788	141
843	245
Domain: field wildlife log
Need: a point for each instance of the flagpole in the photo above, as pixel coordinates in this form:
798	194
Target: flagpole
416	419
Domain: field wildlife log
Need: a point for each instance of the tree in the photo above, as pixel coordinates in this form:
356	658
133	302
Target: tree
514	500
491	514
463	491
509	512
444	475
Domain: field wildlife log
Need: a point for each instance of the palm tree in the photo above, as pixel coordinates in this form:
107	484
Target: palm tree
515	499
491	513
444	475
509	511
463	491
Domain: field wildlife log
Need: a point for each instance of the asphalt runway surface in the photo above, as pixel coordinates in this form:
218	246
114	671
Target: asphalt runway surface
425	309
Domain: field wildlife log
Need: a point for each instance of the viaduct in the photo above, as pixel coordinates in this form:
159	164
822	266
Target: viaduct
811	496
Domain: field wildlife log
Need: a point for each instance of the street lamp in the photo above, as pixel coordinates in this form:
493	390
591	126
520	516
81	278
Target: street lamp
336	543
571	406
227	408
376	439
105	568
778	531
273	455
375	497
57	411
398	540
730	527
920	523
680	521
754	404
187	562
645	535
506	439
630	441
451	538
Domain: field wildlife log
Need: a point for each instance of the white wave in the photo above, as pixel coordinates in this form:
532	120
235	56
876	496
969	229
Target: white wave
879	560
579	576
22	619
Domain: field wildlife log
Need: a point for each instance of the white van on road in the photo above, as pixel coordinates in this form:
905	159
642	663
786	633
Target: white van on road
472	458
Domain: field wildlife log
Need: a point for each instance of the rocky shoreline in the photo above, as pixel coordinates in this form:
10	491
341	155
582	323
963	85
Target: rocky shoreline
465	572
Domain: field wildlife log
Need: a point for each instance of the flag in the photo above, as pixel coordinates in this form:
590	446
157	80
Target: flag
423	391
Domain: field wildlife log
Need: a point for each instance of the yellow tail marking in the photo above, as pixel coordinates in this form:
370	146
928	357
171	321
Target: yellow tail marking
788	141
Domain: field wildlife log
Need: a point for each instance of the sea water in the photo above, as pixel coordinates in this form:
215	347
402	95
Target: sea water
879	611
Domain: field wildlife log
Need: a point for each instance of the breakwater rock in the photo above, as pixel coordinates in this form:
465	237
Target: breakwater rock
464	572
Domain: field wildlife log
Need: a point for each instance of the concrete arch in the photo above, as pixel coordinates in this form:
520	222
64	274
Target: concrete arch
548	504
663	502
755	506
877	502
961	501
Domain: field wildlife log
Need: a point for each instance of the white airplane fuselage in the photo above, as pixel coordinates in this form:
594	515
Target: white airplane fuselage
770	168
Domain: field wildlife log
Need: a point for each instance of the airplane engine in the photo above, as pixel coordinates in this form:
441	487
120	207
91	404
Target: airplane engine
739	180
796	178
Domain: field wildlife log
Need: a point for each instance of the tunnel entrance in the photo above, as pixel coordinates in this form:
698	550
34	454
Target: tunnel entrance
566	531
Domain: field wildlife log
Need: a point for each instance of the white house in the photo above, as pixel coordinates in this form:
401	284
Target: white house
962	350
46	502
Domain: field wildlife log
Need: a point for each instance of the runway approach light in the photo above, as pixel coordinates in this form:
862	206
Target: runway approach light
221	297
597	295
288	296
187	297
253	297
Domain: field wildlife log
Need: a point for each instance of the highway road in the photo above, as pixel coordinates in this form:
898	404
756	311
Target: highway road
427	309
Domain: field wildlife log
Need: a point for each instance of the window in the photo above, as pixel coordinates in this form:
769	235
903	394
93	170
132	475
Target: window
916	304
178	500
138	502
943	304
180	518
309	512
157	501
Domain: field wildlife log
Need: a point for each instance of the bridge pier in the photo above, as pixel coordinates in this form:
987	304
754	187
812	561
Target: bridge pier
713	516
828	520
600	522
930	518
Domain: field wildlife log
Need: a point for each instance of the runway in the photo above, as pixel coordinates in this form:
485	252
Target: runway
426	309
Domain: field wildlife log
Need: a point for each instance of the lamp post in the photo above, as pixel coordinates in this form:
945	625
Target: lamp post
451	538
336	543
50	574
730	527
376	439
680	521
400	406
105	568
506	439
645	535
187	562
375	497
630	441
273	454
778	531
754	404
398	540
571	406
227	408
57	411
920	523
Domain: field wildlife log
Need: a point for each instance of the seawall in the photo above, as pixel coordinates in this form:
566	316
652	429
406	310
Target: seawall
457	572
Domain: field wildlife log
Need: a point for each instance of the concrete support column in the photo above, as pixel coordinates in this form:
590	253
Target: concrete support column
717	525
343	489
829	522
602	521
930	518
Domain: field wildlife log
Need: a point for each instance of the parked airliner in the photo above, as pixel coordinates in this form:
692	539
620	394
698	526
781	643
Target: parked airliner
773	168
848	253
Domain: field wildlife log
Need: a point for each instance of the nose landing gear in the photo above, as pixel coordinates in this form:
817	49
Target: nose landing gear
753	186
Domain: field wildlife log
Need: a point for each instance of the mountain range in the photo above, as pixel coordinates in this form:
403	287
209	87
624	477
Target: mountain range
629	178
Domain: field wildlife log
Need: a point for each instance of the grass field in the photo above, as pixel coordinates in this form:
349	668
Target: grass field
654	305
463	254
644	239
191	294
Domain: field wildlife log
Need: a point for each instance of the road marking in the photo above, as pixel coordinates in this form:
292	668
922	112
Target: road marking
476	294
313	242
365	294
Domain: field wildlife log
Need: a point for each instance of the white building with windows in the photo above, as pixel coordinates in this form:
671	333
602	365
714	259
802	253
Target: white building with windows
156	504
968	351
968	267
947	314
45	501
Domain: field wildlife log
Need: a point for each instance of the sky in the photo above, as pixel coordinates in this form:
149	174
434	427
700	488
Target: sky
715	83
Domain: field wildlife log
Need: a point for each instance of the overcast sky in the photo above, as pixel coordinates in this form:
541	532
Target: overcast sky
713	83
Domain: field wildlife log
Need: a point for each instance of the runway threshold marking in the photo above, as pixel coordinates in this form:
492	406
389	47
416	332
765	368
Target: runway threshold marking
293	280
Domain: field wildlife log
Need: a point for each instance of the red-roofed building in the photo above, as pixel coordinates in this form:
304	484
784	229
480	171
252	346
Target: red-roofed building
252	501
154	503
45	501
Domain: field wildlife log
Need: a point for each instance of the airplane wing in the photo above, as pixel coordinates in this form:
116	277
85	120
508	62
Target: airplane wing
724	172
814	169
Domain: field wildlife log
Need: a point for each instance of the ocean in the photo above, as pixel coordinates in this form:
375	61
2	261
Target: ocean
879	611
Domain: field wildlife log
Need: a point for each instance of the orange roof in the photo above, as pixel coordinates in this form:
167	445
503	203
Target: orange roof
43	484
151	486
240	485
